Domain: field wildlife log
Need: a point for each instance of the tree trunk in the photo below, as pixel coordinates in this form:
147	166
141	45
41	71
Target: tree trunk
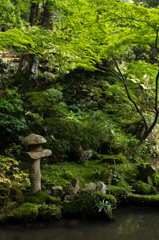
46	15
33	14
148	130
28	66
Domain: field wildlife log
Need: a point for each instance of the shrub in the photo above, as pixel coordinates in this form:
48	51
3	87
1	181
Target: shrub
11	176
12	121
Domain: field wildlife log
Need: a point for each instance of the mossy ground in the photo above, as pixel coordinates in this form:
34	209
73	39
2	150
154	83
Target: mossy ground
62	174
42	197
121	181
22	213
94	171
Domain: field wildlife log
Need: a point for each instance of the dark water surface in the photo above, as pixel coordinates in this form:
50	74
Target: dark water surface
129	223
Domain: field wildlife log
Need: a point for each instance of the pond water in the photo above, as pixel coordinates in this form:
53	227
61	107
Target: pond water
129	223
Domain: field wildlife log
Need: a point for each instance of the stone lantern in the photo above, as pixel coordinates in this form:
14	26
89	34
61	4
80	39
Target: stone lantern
34	144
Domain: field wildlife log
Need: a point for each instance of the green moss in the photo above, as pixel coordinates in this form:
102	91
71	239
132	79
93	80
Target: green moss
106	197
104	175
41	197
118	192
49	212
25	212
116	158
140	200
82	206
62	174
125	185
68	175
53	200
144	188
85	204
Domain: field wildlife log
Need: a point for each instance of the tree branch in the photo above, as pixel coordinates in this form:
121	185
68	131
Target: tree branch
121	77
131	18
128	93
156	109
156	41
24	111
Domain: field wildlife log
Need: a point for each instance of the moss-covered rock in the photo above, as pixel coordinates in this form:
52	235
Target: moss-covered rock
41	197
88	187
53	200
116	158
49	212
24	212
86	204
82	206
144	188
106	197
118	192
147	200
124	184
16	195
145	170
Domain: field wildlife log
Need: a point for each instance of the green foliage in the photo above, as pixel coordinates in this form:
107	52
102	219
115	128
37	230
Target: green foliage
154	179
12	121
113	30
11	176
72	132
14	151
7	205
48	103
10	14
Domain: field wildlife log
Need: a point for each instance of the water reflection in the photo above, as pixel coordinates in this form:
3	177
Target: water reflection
129	223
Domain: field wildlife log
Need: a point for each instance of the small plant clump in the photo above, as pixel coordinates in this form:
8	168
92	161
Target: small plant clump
106	207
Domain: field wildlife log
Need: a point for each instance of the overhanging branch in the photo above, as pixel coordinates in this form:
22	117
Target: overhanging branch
121	77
